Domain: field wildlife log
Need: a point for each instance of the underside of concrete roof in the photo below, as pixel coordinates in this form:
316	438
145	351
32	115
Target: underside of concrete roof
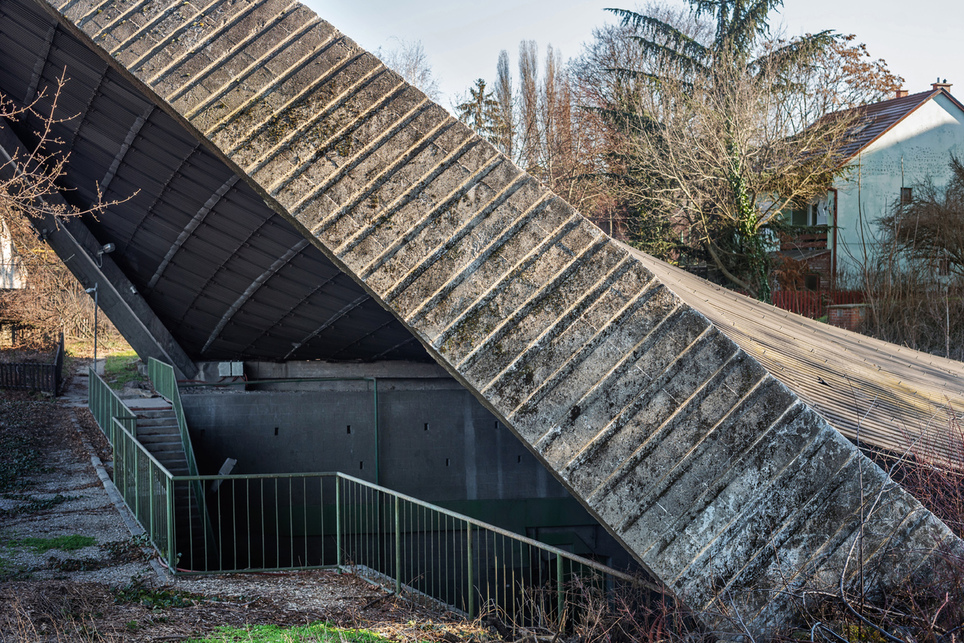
285	196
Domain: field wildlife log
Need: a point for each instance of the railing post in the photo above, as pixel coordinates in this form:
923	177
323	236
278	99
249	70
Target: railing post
560	597
171	542
471	571
338	521
398	549
137	485
151	510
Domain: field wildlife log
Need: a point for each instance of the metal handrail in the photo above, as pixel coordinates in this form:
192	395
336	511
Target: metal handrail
264	522
105	405
426	505
165	383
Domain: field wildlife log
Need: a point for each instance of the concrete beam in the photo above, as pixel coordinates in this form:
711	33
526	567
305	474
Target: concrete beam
117	296
714	475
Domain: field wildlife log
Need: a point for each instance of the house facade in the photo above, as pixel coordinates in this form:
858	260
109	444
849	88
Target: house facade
11	268
897	145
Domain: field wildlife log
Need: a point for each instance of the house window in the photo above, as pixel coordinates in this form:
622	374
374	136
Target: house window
814	214
943	266
800	217
906	195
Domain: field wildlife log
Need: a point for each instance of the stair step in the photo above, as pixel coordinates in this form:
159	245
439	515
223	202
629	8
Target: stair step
159	421
167	452
154	435
156	430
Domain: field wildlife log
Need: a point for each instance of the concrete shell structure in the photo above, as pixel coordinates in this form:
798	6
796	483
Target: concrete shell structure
325	186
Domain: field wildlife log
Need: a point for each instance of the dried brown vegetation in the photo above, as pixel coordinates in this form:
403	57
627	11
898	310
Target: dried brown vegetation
52	300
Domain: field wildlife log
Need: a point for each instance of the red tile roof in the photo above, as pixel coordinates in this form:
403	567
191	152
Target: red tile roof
874	120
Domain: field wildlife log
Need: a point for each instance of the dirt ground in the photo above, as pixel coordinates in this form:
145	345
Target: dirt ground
100	584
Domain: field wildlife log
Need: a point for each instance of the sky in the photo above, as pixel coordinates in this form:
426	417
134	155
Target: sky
919	39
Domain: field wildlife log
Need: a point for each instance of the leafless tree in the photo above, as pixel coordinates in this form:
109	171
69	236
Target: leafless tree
528	103
505	98
409	60
840	76
52	299
929	227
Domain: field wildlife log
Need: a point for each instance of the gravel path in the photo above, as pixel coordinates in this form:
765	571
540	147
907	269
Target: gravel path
113	589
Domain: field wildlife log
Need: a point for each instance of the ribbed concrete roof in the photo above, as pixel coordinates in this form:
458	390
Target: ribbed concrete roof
709	470
888	396
228	276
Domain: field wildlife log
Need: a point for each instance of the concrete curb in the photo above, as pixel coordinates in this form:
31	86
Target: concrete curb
120	505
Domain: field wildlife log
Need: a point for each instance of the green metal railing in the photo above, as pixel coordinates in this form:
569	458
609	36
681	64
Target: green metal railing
143	482
193	496
106	406
165	383
268	522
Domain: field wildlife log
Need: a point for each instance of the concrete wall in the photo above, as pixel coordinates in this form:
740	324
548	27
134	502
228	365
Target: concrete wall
434	441
916	150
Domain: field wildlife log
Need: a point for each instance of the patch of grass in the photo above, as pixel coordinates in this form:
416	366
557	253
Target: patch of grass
34	505
64	543
20	459
121	368
140	592
75	564
9	571
313	632
127	551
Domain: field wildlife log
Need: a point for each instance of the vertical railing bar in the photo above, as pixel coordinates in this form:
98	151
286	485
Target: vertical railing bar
277	526
150	498
446	585
515	614
137	486
471	571
321	520
437	550
291	527
220	542
247	516
171	509
264	535
304	513
560	599
338	522
234	526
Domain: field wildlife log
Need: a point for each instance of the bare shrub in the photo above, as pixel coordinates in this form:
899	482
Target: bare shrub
52	299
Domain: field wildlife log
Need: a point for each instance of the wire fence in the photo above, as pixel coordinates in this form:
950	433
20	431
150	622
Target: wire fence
271	522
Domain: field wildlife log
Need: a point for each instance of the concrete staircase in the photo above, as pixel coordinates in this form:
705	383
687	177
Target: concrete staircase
157	430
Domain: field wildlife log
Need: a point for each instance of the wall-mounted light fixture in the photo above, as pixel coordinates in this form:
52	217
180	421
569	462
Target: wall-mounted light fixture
105	249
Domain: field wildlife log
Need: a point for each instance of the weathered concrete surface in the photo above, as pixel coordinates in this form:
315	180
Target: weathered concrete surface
717	478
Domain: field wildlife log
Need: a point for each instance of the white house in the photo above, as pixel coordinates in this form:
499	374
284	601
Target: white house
11	268
897	144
